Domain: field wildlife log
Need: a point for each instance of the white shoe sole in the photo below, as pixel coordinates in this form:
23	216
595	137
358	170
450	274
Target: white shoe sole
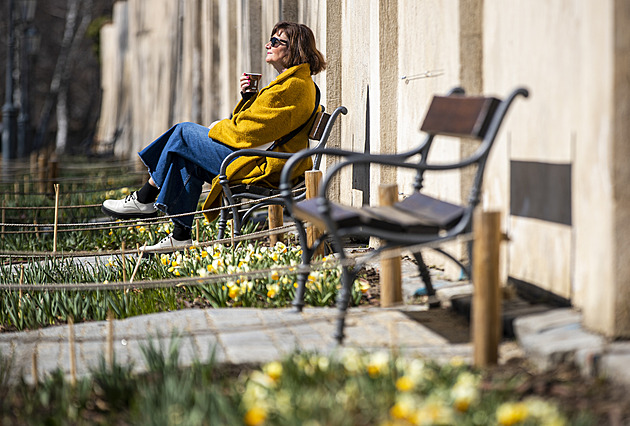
118	215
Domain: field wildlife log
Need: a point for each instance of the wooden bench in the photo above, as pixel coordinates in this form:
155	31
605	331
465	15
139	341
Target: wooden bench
416	220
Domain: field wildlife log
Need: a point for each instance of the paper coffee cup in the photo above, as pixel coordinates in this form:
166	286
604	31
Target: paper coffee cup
254	78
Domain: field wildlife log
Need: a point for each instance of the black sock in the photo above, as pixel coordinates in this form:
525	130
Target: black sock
180	232
147	194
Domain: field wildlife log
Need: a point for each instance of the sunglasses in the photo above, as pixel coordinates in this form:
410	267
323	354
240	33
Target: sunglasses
275	41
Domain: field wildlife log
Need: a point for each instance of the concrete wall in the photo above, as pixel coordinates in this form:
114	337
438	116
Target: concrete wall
172	60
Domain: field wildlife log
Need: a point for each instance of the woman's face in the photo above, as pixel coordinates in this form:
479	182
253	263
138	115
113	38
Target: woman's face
276	54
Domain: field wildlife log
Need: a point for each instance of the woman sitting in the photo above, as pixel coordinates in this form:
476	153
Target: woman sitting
187	155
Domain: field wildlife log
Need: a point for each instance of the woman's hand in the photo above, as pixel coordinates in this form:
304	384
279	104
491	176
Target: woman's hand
244	82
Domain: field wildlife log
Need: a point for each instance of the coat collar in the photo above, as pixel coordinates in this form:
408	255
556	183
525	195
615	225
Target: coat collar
302	71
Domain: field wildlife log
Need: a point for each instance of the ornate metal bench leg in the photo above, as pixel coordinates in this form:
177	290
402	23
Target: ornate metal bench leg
426	278
347	278
424	273
307	254
341	323
223	218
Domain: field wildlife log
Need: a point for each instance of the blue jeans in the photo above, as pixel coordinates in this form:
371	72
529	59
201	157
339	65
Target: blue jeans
179	162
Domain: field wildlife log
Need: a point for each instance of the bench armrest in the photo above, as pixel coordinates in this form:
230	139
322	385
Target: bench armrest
251	152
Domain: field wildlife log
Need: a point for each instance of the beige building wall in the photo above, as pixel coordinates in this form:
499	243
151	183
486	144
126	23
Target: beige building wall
173	60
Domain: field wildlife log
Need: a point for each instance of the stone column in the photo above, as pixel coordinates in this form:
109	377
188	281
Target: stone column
227	71
333	81
389	75
607	304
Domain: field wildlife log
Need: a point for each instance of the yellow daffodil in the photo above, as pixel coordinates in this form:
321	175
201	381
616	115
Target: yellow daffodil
457	361
125	191
255	416
234	292
280	247
351	360
511	413
275	275
404	384
378	364
433	411
362	285
547	414
273	370
323	363
272	290
217	264
403	409
465	391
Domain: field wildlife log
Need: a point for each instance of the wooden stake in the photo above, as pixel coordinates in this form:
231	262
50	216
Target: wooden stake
391	267
312	180
232	234
41	173
20	292
34	368
110	339
274	213
486	305
197	229
33	163
56	217
124	263
73	355
135	269
4	216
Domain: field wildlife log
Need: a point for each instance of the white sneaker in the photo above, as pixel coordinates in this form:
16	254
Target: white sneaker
129	208
167	244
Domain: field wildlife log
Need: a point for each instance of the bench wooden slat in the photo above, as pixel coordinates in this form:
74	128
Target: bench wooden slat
431	211
460	116
417	213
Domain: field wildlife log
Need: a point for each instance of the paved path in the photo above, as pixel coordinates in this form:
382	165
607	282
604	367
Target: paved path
237	335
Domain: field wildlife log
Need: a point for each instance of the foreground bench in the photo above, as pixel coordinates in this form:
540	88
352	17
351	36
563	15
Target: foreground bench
419	218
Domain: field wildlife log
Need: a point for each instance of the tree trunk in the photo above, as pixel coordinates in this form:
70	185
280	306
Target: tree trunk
62	97
51	99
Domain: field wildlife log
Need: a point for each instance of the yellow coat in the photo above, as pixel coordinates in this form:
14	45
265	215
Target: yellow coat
279	108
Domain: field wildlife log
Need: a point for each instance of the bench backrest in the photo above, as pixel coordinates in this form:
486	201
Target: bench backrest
321	128
460	116
469	118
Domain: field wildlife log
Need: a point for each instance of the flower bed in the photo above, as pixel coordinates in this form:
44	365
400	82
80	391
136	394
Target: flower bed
346	388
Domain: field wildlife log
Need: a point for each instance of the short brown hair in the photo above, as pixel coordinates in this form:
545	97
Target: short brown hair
302	48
